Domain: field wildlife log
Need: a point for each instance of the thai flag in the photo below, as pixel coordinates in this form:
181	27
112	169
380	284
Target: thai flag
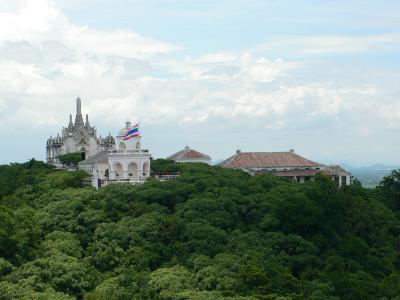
132	132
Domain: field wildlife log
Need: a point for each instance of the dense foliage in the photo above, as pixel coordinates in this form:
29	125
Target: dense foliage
212	233
70	159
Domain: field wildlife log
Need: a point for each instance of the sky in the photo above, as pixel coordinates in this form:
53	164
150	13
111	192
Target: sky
319	76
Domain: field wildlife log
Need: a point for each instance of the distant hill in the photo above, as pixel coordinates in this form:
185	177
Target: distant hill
370	176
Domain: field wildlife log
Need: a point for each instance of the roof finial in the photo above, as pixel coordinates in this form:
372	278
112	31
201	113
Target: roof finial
87	121
70	121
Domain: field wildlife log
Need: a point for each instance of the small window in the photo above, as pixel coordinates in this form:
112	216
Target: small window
122	146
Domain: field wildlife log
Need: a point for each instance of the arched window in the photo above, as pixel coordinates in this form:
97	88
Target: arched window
133	171
122	146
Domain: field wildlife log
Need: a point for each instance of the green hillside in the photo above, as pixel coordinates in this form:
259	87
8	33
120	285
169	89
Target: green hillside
212	233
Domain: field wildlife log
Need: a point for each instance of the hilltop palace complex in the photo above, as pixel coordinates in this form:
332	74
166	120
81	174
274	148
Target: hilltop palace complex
121	159
109	159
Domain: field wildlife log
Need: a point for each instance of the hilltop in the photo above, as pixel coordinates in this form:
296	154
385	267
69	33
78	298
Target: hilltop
211	233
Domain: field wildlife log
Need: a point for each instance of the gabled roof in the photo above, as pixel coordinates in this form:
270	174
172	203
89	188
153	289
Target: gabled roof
248	160
187	154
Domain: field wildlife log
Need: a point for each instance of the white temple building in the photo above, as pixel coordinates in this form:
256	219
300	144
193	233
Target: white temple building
126	162
78	136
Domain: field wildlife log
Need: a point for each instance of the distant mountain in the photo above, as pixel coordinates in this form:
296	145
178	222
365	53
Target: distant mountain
370	176
375	167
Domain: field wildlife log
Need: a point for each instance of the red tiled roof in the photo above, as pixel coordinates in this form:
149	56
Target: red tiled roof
267	160
188	153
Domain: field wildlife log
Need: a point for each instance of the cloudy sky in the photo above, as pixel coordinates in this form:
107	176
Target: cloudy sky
319	76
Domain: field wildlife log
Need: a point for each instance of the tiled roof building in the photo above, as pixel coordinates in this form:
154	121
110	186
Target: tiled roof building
190	155
284	164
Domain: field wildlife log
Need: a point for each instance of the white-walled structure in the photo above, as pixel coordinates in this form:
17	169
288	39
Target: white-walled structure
77	137
127	162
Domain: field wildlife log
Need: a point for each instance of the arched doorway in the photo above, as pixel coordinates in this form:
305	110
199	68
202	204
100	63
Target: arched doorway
118	171
133	173
108	173
83	153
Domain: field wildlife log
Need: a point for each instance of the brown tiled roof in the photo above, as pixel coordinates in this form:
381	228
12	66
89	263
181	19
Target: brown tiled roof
248	160
188	153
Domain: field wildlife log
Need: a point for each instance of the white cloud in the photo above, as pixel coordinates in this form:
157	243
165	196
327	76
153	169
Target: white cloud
45	59
333	44
38	21
212	58
120	43
46	62
390	112
2	105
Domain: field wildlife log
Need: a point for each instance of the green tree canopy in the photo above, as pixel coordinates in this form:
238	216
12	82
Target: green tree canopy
211	233
70	158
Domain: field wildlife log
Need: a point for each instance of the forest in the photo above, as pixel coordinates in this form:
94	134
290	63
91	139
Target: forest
211	233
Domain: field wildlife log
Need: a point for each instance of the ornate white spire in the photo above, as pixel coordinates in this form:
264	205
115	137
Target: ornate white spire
78	118
78	106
